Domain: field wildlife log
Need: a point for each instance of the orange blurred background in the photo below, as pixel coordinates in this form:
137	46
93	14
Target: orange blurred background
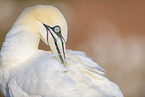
111	32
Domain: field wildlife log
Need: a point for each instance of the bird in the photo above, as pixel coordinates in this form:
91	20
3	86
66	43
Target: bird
26	71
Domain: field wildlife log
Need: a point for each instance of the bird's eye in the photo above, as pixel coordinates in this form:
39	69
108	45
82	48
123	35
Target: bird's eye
57	29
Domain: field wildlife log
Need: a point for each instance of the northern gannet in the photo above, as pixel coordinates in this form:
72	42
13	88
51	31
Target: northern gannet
26	71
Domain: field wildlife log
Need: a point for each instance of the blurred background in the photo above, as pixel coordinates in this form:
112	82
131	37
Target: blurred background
111	32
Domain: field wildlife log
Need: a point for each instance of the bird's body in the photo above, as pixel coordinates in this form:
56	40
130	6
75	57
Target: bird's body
26	71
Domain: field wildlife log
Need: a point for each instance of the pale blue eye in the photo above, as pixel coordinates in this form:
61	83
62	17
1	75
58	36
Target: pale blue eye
57	29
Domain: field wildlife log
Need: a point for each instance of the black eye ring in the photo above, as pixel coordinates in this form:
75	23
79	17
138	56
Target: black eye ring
57	29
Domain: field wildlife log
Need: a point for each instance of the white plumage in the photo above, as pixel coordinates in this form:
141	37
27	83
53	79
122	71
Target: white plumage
26	71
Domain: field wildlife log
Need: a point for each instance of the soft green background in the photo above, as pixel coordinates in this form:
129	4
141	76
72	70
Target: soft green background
112	32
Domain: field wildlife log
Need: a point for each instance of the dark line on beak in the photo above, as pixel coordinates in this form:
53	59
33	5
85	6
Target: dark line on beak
63	46
55	41
47	36
60	57
47	32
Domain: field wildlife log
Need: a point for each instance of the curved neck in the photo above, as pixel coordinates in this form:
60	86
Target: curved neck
18	47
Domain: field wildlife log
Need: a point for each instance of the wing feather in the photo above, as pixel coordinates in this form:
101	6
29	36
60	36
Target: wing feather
89	74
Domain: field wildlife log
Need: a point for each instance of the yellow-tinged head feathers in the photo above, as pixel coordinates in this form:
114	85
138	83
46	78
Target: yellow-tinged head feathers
46	14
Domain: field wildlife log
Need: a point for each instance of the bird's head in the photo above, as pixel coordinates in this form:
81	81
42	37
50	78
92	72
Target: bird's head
49	23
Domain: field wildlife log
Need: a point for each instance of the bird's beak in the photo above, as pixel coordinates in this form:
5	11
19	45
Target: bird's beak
56	42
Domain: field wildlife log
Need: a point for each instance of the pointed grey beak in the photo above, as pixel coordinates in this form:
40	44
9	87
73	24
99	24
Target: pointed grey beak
56	42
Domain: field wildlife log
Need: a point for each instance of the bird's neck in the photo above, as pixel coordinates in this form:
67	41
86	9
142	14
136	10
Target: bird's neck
19	46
